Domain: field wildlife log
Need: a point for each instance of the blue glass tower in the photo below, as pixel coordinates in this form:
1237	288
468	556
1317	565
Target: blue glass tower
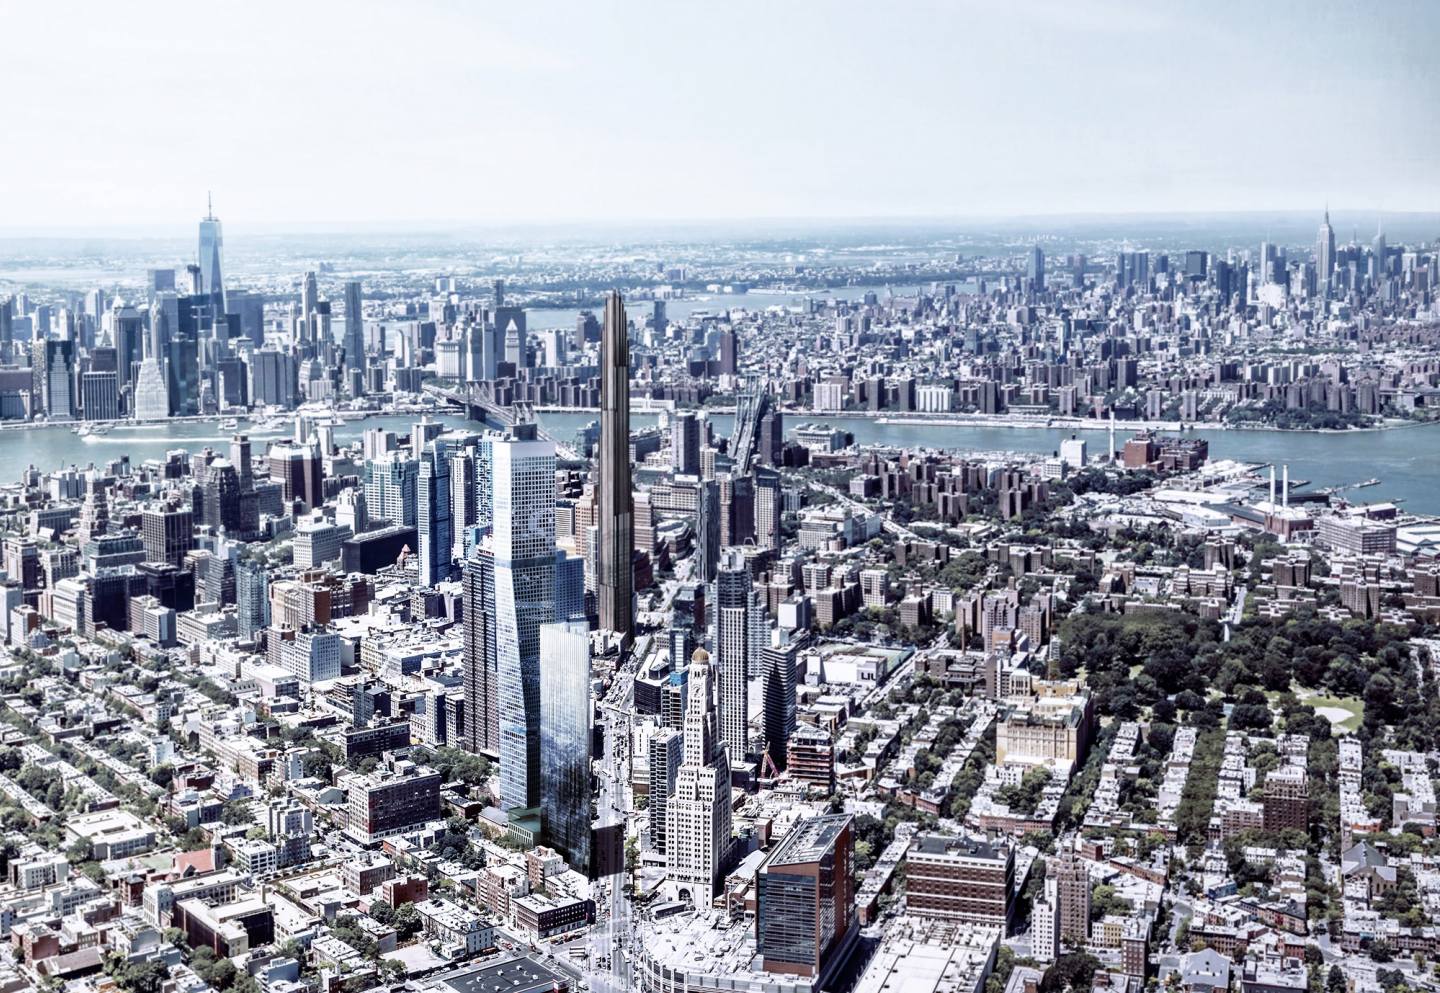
212	243
569	587
521	553
252	598
565	739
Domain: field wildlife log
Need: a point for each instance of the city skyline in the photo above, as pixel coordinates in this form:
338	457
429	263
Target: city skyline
390	626
935	123
814	497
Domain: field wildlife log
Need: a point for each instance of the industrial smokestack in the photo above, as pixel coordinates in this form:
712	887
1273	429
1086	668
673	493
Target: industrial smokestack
1285	497
1272	488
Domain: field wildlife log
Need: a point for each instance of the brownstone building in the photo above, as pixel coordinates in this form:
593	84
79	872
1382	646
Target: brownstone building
959	879
1287	799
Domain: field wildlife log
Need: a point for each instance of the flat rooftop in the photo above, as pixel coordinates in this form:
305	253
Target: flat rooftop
517	975
939	844
809	840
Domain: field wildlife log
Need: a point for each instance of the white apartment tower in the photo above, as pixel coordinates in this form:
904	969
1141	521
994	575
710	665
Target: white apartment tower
742	633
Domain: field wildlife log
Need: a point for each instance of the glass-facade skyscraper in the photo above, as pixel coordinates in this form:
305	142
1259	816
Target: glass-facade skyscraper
780	664
565	723
462	502
354	331
484	474
252	598
707	531
805	897
432	515
521	553
212	280
1035	268
569	587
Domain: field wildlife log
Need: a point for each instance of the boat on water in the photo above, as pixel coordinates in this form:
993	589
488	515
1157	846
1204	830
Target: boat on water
1335	490
229	424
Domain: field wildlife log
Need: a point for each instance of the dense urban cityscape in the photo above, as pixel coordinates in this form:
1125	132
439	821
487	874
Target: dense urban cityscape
649	497
426	668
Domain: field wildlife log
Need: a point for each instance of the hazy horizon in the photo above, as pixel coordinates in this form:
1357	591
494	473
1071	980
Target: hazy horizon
969	237
365	115
1422	221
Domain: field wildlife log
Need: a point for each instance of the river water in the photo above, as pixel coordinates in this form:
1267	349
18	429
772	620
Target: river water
1406	459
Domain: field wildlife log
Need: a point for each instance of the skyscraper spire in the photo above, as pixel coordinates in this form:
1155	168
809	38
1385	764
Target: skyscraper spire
210	255
1379	266
615	582
1325	254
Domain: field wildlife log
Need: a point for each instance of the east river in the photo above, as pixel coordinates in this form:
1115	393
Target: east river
1406	460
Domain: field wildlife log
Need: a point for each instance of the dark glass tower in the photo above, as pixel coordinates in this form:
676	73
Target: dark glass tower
707	531
433	515
354	332
616	578
482	717
212	242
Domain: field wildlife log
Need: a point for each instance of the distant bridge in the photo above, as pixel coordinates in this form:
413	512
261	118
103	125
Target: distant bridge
478	402
750	407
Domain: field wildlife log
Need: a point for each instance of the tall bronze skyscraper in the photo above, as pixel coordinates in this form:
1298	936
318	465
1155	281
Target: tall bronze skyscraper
616	578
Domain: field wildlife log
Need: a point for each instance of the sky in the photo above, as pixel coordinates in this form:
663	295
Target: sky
118	116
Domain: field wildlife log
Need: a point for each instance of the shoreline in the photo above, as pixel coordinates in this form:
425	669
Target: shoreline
1080	424
252	420
912	419
884	418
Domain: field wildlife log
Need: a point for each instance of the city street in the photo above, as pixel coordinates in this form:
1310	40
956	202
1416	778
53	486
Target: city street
610	938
